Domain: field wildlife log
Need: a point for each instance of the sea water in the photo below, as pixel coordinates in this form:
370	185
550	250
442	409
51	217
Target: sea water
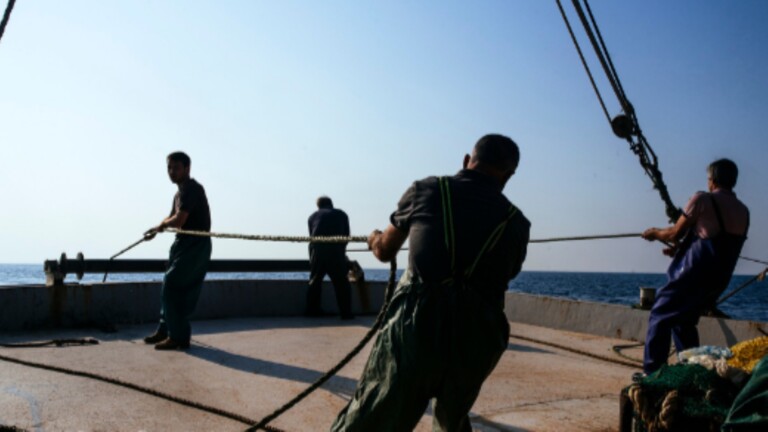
751	303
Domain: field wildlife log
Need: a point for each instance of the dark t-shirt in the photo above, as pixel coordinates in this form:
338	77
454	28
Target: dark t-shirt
478	207
191	198
328	222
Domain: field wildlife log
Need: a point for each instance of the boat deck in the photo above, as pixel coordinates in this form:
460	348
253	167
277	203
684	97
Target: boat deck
252	366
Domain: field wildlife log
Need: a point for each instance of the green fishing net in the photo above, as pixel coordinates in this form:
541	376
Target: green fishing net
681	397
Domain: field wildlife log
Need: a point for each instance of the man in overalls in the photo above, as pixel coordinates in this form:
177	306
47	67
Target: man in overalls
445	328
705	244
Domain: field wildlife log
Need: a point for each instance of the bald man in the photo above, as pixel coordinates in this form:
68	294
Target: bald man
445	329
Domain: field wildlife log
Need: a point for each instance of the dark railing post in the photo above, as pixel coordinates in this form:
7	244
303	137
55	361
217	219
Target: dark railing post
55	272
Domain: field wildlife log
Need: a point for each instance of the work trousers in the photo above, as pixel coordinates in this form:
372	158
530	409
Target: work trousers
187	264
322	261
437	343
679	303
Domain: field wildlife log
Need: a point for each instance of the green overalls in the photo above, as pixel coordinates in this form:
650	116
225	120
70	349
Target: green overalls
438	342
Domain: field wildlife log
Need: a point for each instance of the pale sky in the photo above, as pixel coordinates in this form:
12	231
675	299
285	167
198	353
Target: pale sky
278	102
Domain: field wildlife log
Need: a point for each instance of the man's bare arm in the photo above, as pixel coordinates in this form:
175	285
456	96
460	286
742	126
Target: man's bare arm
669	234
385	245
177	220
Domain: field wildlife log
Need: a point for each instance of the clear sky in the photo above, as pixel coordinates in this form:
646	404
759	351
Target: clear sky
280	102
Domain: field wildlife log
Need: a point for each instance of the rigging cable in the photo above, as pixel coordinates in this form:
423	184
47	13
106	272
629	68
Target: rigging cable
626	125
6	16
584	62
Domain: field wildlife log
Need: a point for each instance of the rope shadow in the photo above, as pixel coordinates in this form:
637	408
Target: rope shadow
233	325
486	425
523	348
269	368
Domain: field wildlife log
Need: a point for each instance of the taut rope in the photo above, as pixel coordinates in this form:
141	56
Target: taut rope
133	245
281	238
625	126
6	16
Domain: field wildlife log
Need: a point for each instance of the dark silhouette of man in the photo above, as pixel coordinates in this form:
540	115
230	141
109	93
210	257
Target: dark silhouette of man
188	258
445	328
328	258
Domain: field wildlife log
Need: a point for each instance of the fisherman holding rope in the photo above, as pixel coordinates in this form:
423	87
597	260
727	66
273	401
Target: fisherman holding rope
706	243
328	258
445	328
188	258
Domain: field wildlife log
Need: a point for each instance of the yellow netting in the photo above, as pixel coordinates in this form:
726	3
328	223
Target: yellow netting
746	354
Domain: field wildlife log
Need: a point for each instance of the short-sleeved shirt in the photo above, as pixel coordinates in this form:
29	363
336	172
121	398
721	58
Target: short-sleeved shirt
700	211
478	207
191	198
328	222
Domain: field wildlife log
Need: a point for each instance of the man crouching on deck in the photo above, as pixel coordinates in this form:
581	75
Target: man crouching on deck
445	328
188	259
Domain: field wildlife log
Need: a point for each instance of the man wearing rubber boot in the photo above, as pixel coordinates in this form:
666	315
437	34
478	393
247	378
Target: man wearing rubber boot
328	258
445	327
705	242
188	259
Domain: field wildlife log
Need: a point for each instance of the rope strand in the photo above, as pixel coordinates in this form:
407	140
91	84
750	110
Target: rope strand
295	239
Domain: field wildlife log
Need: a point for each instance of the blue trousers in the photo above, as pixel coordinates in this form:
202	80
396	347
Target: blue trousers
679	303
182	283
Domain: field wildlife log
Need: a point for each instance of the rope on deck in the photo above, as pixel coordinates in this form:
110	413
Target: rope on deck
253	424
633	364
136	387
379	321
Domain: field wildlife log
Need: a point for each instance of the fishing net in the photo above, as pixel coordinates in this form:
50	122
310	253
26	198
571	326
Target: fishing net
681	397
750	409
746	354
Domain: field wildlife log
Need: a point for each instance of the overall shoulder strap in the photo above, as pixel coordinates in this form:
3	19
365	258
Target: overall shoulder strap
493	238
717	213
448	232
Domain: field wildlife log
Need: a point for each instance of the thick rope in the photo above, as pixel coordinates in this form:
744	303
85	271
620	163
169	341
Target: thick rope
136	387
619	348
379	321
602	53
553	239
133	245
295	239
583	61
632	364
641	148
54	342
6	17
594	237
